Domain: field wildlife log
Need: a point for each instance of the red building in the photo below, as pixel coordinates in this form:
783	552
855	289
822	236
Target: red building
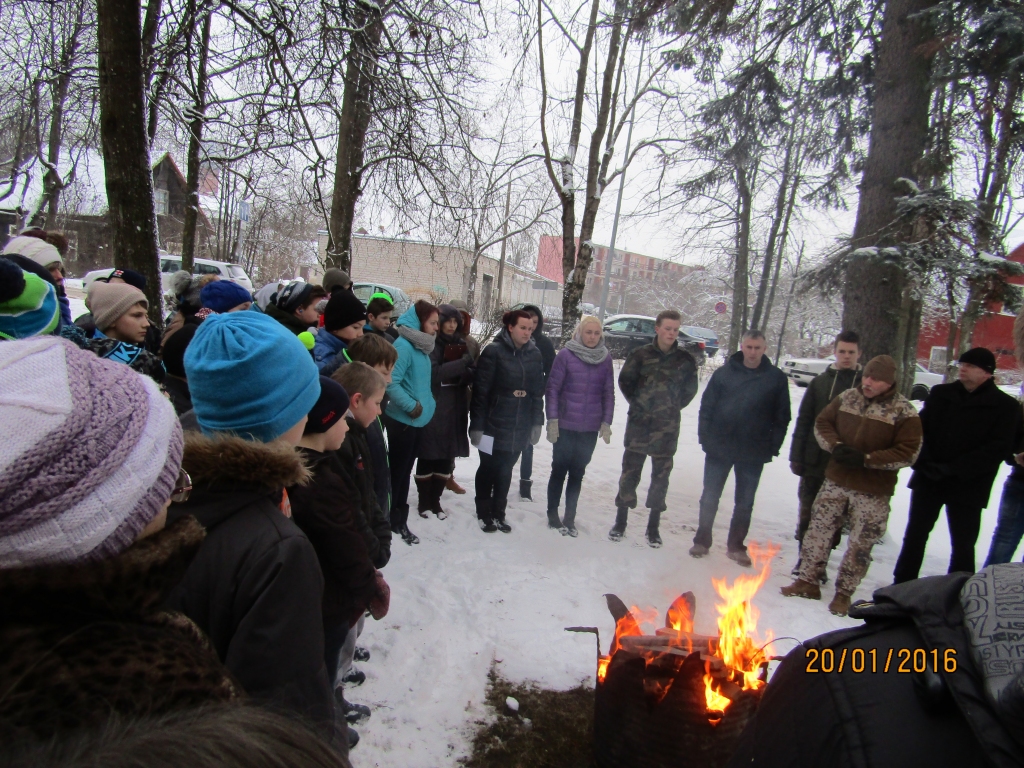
994	331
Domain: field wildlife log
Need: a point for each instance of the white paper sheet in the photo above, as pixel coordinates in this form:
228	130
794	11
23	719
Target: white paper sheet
486	444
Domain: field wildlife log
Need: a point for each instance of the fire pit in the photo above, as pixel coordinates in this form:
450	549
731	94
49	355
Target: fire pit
677	698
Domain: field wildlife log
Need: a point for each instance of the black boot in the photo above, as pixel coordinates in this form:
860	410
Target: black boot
425	491
619	529
401	516
437	483
499	516
483	513
524	490
553	521
653	537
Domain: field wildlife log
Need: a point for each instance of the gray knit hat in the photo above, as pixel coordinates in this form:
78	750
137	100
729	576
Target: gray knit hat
108	301
90	454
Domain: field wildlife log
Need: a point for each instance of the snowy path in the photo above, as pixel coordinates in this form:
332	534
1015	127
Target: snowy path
462	599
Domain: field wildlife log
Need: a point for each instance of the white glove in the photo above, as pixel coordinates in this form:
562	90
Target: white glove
475	436
535	434
606	433
553	431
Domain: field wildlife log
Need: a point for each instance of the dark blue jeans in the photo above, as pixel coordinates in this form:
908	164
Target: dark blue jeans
716	472
1010	527
526	465
570	456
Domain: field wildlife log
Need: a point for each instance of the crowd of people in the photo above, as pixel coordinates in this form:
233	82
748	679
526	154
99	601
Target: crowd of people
208	511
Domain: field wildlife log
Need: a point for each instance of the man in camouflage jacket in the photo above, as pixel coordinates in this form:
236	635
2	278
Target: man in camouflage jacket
872	432
658	381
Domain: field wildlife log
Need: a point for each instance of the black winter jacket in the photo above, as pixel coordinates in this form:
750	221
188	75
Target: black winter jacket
357	462
255	587
865	716
446	434
497	410
326	509
967	435
826	386
744	412
547	349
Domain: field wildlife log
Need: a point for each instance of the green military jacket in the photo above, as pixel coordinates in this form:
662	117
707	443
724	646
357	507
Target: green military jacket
657	385
823	389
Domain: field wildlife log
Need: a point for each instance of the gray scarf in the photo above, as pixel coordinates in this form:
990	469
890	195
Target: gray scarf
424	342
591	355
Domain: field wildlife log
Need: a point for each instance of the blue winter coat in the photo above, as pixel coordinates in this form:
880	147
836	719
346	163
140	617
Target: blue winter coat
328	352
410	379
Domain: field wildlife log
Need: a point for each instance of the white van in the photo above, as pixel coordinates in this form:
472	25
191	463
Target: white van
171	264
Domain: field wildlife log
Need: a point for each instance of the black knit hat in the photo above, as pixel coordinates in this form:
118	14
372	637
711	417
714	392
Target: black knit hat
342	310
980	357
330	407
130	276
174	349
293	296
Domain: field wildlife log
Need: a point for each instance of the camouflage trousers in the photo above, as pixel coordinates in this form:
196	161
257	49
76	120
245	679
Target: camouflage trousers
807	492
632	466
869	514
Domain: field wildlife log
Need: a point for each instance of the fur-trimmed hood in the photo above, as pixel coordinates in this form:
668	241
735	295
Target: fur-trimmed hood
226	460
133	583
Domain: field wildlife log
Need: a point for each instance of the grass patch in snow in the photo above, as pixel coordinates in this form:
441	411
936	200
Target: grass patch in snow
559	734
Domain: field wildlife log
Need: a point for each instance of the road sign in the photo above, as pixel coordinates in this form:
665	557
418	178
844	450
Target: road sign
544	285
721	307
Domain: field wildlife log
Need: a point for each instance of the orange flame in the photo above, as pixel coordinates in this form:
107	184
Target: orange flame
716	702
678	617
624	627
737	621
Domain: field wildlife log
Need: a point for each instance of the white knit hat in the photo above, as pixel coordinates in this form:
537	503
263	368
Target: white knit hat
39	251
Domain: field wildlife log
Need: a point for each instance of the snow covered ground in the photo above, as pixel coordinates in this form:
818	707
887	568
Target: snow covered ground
463	599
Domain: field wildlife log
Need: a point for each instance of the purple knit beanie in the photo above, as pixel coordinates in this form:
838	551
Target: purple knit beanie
90	454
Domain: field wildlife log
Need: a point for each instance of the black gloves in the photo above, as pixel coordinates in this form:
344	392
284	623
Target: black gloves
848	455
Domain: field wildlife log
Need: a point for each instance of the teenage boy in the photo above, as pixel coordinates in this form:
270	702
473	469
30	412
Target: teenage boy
325	510
344	317
294	306
807	460
378	315
366	390
120	313
255	586
381	355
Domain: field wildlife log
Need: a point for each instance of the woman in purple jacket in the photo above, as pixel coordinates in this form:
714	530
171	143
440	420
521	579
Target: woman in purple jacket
580	403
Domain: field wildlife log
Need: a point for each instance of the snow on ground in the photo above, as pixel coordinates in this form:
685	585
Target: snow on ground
462	599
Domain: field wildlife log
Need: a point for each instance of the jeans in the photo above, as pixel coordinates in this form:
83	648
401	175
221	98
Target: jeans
1010	526
570	456
716	472
964	520
526	466
494	477
403	443
348	648
335	634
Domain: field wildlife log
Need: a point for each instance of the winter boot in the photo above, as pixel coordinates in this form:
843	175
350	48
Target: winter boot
361	654
354	677
499	516
840	604
739	556
524	490
354	713
553	520
569	529
437	488
653	537
425	489
401	516
698	550
451	485
483	513
801	588
619	529
353	738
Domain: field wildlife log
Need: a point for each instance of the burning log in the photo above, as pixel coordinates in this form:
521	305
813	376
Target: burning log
678	698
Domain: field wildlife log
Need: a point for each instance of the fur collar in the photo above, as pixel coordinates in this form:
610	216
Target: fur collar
133	583
230	460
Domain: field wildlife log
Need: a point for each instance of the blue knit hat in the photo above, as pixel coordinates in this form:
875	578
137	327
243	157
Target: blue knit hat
249	375
222	295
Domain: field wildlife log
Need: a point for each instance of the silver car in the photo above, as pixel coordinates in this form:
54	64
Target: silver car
802	371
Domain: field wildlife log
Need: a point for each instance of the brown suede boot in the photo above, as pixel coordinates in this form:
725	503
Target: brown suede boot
800	588
454	487
840	604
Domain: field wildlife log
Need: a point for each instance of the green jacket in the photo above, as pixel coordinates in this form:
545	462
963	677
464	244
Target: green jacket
826	387
657	385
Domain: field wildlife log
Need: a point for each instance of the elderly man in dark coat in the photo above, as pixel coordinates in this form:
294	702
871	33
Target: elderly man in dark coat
970	427
744	414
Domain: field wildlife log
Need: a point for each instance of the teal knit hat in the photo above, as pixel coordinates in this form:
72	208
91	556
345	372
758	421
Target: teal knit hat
249	375
28	304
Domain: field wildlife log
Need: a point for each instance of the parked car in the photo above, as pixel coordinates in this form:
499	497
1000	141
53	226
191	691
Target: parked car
624	333
802	371
710	338
400	298
170	264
